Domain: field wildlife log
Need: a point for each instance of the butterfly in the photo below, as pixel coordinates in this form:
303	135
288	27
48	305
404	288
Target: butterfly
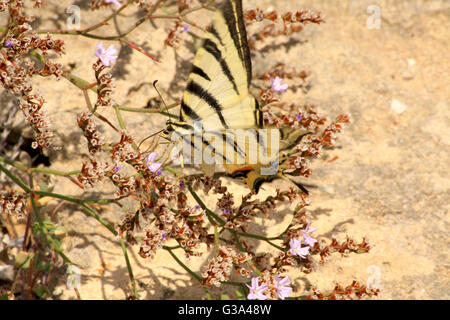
220	121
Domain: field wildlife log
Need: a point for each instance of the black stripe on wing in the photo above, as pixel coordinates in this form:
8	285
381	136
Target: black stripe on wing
258	115
230	141
182	125
211	47
214	32
210	146
188	111
195	89
190	142
198	71
235	18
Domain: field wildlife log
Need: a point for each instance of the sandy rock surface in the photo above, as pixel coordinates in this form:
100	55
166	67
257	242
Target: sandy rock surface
390	177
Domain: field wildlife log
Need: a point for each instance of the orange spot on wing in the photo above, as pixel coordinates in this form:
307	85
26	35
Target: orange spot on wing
244	168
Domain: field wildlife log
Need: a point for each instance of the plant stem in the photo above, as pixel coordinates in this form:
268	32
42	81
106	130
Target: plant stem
130	270
192	273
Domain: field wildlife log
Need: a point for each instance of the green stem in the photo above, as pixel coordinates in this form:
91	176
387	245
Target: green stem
203	206
21	167
130	270
45	232
79	83
14	178
192	273
93	214
119	117
140	110
85	32
241	248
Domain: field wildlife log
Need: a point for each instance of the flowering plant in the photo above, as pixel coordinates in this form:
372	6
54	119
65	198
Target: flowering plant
170	214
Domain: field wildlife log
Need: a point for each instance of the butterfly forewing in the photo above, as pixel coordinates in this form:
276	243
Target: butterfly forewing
217	89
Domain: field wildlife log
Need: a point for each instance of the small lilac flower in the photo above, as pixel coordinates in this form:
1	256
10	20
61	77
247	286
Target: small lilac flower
278	86
226	210
186	28
106	56
181	184
116	168
151	165
116	2
256	290
307	239
164	235
282	286
8	43
299	117
296	248
197	207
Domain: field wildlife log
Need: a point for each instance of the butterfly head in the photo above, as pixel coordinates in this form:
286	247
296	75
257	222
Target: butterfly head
169	129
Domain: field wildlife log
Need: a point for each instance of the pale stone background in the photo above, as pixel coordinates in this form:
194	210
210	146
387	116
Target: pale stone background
390	182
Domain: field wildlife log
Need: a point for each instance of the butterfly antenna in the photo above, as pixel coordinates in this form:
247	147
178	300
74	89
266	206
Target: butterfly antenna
160	96
152	135
167	111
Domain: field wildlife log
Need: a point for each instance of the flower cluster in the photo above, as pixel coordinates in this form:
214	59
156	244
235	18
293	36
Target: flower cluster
13	203
175	34
278	86
123	151
17	68
238	218
151	164
106	56
31	105
95	139
105	81
92	172
271	287
344	248
291	22
207	184
279	70
152	242
219	267
353	291
97	4
296	162
185	226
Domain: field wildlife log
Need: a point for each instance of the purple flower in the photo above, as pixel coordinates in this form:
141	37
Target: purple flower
256	290
8	43
186	28
299	117
197	207
226	210
116	2
151	165
164	235
296	248
282	286
278	86
106	56
307	239
181	184
116	168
